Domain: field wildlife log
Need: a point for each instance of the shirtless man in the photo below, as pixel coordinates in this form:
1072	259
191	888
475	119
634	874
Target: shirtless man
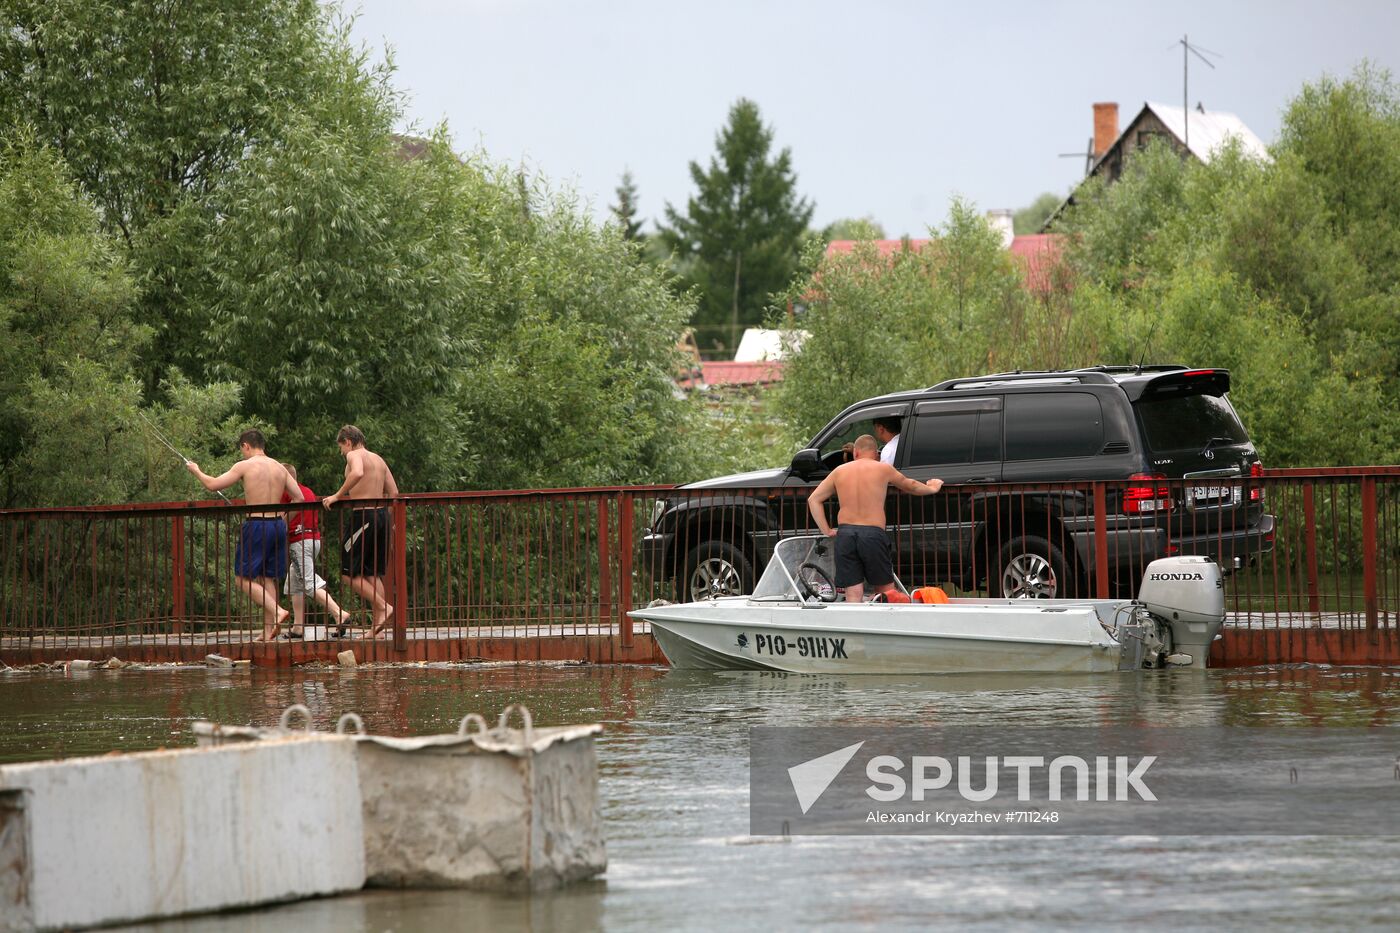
364	555
261	559
862	547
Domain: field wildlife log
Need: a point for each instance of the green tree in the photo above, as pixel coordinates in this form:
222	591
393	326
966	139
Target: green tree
625	210
151	101
1246	264
1032	217
974	286
853	228
1347	136
877	323
1281	270
154	106
329	284
1345	139
739	240
68	346
293	264
570	382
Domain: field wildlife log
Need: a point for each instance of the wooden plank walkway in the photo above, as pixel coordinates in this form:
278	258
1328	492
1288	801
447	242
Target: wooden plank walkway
588	642
1249	639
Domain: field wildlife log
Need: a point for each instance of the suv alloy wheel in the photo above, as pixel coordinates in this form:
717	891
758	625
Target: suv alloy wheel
1029	567
714	569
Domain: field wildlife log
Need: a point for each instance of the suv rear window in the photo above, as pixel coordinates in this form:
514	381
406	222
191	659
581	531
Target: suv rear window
1054	425
1187	422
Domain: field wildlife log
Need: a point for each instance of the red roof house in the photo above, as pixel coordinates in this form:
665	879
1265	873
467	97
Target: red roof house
1036	253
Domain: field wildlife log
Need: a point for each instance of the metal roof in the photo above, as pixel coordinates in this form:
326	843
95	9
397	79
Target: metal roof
1209	130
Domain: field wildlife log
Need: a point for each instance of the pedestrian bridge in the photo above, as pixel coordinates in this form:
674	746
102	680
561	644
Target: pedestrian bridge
549	575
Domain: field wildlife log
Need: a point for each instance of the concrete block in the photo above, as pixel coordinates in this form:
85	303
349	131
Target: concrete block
90	841
506	809
96	841
346	658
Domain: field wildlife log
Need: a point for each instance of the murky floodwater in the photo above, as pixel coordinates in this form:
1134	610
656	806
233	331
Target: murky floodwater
674	762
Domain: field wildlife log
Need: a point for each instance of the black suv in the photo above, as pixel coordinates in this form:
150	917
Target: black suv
1018	452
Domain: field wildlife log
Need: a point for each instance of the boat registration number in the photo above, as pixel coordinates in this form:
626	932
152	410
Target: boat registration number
804	646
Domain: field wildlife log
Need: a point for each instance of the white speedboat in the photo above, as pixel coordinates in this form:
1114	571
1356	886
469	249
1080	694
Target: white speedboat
793	622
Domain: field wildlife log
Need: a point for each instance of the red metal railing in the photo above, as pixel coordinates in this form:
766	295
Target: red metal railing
533	565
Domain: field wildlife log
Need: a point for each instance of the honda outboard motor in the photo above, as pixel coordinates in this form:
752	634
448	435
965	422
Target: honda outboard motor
1187	595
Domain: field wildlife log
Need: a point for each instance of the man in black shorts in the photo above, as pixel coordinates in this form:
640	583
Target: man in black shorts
364	556
862	547
366	549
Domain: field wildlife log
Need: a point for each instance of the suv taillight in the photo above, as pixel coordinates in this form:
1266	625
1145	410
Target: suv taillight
1138	499
1256	471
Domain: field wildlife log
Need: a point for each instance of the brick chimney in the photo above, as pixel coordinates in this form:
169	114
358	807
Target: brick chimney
1105	127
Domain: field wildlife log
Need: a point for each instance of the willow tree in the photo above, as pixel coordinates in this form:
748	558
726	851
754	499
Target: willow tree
71	427
286	244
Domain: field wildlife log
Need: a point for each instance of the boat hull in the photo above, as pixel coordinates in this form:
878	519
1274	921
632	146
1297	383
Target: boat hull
737	634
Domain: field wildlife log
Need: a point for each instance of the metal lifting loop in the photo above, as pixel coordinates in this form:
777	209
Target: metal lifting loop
477	718
526	718
350	719
284	723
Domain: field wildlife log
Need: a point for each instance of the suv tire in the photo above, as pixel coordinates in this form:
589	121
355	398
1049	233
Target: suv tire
716	568
1029	567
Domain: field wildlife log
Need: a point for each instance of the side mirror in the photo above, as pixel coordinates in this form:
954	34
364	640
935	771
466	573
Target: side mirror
808	463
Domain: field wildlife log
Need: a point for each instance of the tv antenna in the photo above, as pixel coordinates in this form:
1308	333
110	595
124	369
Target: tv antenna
1087	155
1187	50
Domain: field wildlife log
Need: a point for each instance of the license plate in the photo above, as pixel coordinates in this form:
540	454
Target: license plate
1213	497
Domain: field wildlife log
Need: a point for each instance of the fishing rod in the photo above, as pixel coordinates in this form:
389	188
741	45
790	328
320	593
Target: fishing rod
161	437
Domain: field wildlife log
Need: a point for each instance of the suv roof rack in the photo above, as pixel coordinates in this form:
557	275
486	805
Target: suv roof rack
1137	368
1031	377
1089	374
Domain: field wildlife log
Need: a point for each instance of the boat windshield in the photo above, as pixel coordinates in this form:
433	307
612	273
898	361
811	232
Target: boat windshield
795	559
804	568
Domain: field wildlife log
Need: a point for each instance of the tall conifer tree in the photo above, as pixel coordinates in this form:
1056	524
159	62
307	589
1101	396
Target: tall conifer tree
625	210
740	237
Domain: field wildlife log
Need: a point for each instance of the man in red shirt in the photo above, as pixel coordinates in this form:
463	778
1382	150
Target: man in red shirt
303	548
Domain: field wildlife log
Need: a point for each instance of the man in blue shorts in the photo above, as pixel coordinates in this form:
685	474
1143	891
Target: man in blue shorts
862	547
260	562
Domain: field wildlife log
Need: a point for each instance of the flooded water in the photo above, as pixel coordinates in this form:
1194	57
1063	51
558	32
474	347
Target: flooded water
674	761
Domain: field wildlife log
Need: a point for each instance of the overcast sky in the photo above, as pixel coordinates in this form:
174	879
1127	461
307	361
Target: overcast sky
890	107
